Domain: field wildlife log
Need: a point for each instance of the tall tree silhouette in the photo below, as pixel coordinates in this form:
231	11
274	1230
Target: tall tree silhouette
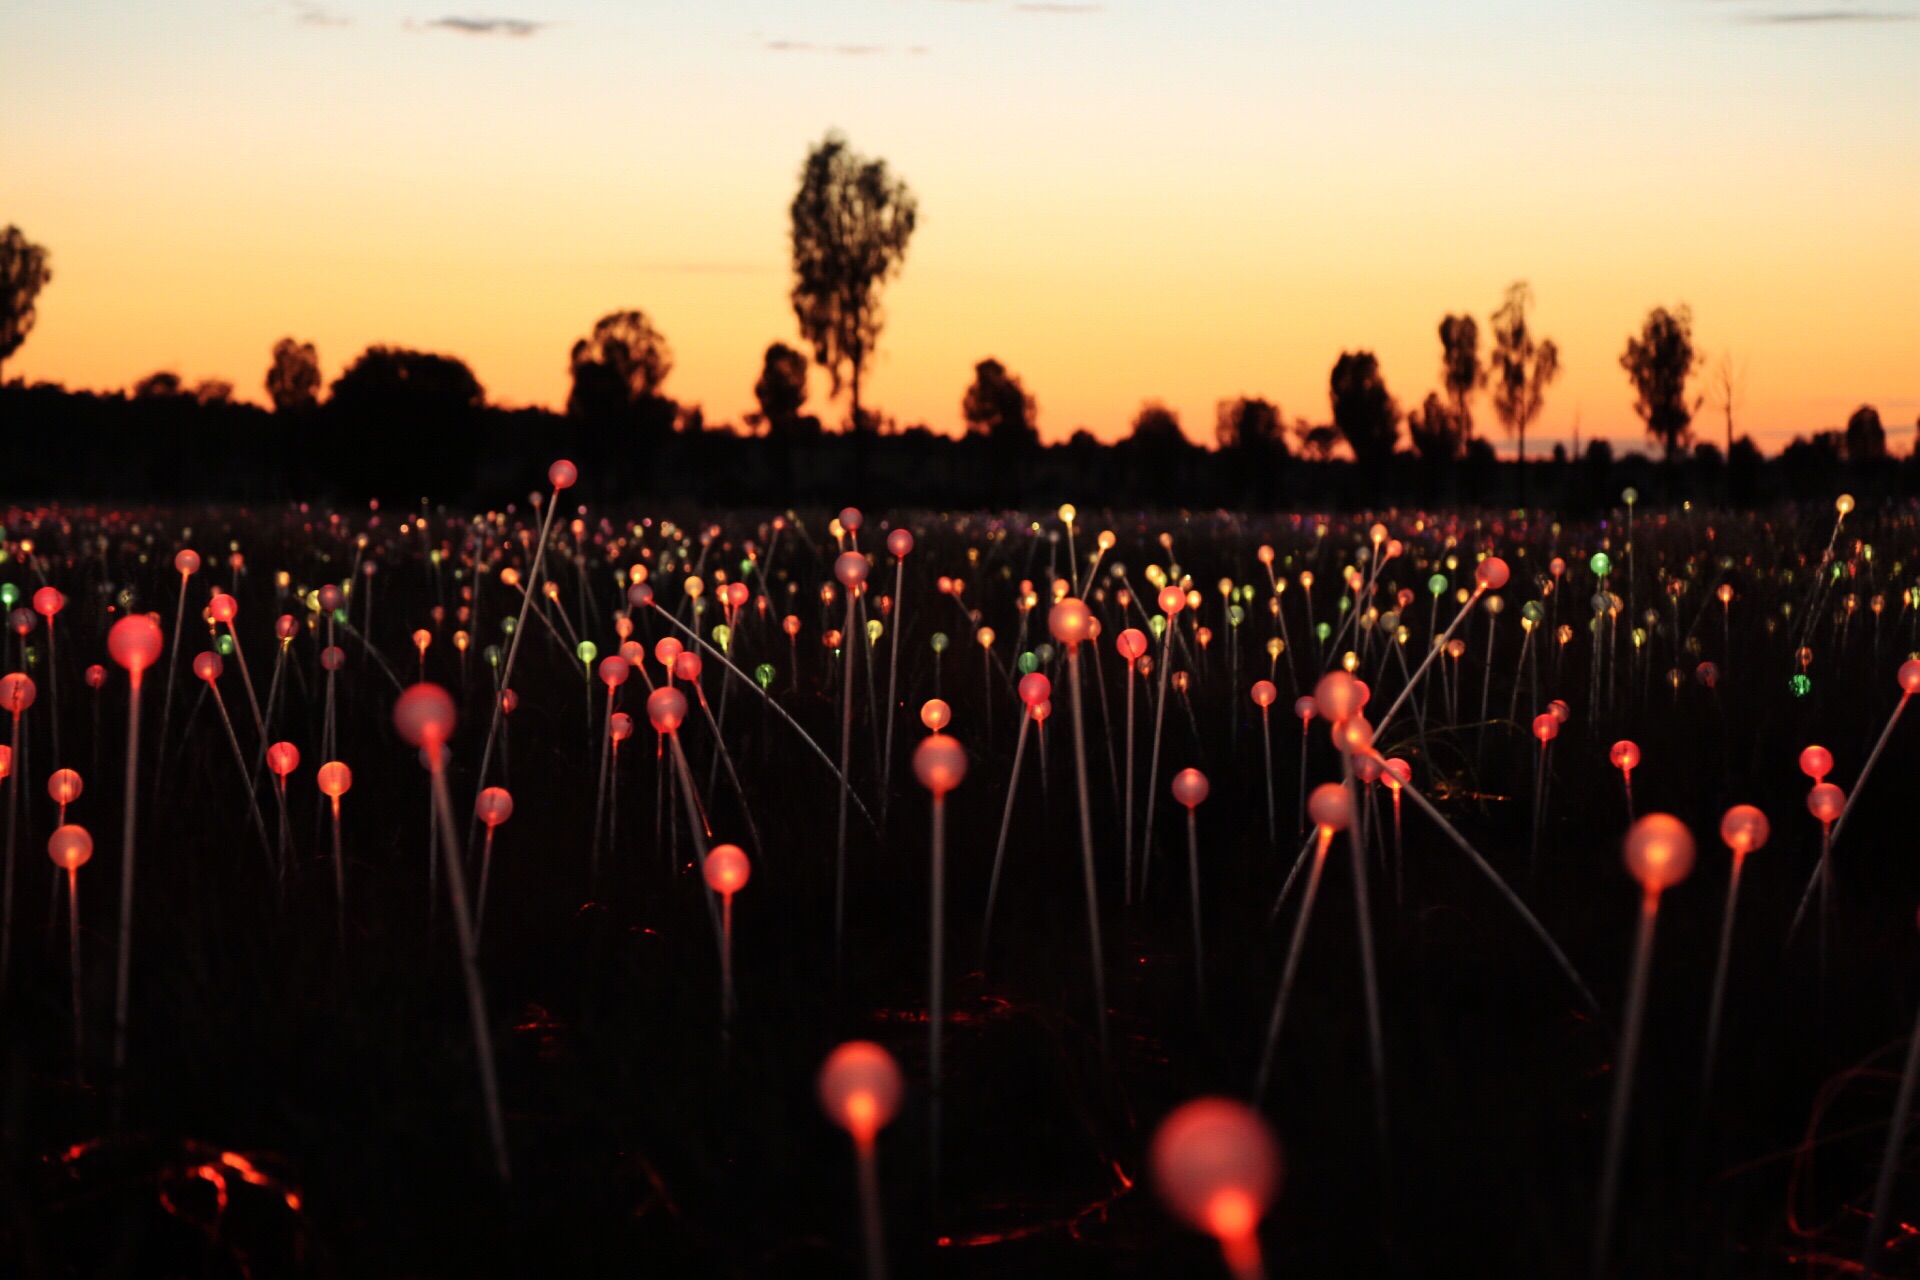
1658	362
1520	367
1725	381
852	219
782	393
293	379
998	407
620	364
1866	438
23	273
1365	415
1436	430
1158	445
1460	370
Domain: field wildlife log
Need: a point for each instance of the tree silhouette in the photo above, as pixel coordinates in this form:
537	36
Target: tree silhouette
782	393
386	379
1460	369
1436	429
620	364
1725	381
23	273
213	391
398	420
851	223
159	386
1365	415
1866	438
293	379
998	407
1249	433
1520	368
1659	362
1157	444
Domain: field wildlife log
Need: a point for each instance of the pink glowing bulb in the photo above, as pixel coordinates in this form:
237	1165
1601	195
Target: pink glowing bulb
1305	708
135	642
187	562
1368	768
1744	829
727	869
614	671
1337	696
666	650
208	665
1816	762
1398	771
334	779
286	627
1217	1167
620	727
48	601
1659	851
1190	787
666	709
1131	643
851	569
851	519
1559	710
1826	801
563	474
1035	688
333	657
424	715
860	1087
1264	694
1625	756
332	598
1910	676
1546	726
1491	574
639	595
70	847
1070	621
1331	807
96	676
283	758
899	542
64	785
940	763
687	666
935	714
493	806
224	608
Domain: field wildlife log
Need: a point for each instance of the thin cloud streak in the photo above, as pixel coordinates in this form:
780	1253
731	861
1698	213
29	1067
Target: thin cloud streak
844	50
519	28
1821	17
314	15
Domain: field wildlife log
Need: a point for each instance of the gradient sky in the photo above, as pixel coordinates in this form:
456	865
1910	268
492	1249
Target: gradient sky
1141	198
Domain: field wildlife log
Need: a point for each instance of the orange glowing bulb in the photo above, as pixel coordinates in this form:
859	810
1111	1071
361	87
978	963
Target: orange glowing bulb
935	714
1744	829
335	779
859	1086
1070	621
1264	693
1217	1166
70	847
1331	807
64	786
1190	787
727	869
1337	696
1659	851
940	763
493	806
283	758
1816	762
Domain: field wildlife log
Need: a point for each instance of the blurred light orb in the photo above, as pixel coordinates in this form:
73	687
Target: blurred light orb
1658	851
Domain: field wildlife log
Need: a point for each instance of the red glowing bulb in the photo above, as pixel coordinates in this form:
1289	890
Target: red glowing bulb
940	763
208	665
493	806
1305	708
1217	1167
1331	806
187	562
286	627
1910	676
70	847
1745	828
621	727
1659	851
283	758
1131	643
563	474
899	542
851	568
727	869
1492	574
96	676
666	650
48	601
860	1088
1264	693
135	642
666	709
1337	696
1035	688
64	786
334	779
1625	756
935	714
425	715
1826	801
1172	600
1190	787
1559	710
1353	736
1070	621
1816	762
851	519
1546	726
687	665
614	671
223	607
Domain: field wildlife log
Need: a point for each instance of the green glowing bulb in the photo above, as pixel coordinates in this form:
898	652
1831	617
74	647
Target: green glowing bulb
1800	685
1600	565
764	674
587	652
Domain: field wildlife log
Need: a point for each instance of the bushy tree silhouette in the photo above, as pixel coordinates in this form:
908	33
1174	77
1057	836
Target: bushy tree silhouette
1866	438
293	379
1437	430
1363	412
1460	370
398	420
782	392
23	273
1658	362
1249	431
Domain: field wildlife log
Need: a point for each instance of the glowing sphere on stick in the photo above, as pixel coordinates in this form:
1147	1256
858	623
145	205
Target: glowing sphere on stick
1399	771
1546	727
1190	787
1910	676
1744	828
1625	756
1659	851
614	671
333	599
1559	710
1264	693
509	701
687	665
208	665
424	715
1826	801
96	676
563	474
851	519
493	806
639	595
727	869
1035	689
48	601
859	1087
1353	736
1216	1166
64	786
1070	621
1491	575
135	642
70	847
187	562
940	763
666	709
1337	696
935	714
334	779
1816	762
283	758
1305	707
1331	806
223	607
900	543
666	650
1132	643
851	568
1172	600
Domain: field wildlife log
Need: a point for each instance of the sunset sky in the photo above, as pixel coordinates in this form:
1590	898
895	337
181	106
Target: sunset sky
1123	200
